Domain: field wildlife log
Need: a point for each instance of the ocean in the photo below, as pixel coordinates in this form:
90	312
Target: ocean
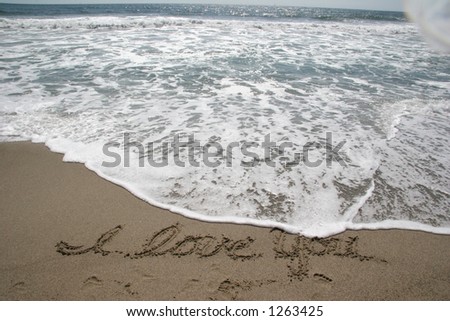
309	120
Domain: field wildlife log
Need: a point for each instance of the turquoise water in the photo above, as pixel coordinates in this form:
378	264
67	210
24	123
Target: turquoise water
80	78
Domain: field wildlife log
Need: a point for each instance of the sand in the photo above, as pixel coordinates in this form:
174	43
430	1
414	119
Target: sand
67	234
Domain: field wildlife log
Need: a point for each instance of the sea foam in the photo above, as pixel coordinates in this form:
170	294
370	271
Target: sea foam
79	83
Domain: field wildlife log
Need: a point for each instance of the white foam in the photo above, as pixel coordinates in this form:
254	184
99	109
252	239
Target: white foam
87	84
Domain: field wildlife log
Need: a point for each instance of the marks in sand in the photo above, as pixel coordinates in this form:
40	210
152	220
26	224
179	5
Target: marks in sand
168	241
232	289
171	241
97	248
299	250
118	287
92	282
321	277
19	288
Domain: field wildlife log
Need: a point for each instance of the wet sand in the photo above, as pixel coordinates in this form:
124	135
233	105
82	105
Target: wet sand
67	234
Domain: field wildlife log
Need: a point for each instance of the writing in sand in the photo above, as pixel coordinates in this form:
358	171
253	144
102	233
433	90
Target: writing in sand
171	241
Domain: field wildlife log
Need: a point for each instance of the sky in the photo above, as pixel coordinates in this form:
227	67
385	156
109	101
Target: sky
391	5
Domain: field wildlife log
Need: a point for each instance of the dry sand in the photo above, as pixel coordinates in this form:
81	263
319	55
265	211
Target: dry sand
67	234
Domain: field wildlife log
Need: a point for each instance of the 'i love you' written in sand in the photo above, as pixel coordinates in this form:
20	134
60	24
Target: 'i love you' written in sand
170	241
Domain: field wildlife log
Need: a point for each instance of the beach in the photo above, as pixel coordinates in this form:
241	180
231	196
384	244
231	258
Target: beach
279	117
67	234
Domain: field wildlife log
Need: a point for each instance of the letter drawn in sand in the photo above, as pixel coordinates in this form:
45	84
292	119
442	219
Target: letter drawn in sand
155	245
66	249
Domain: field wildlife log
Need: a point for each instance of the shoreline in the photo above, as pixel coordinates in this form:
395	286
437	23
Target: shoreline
67	234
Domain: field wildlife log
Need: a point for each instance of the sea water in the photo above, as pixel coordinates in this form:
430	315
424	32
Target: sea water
310	120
